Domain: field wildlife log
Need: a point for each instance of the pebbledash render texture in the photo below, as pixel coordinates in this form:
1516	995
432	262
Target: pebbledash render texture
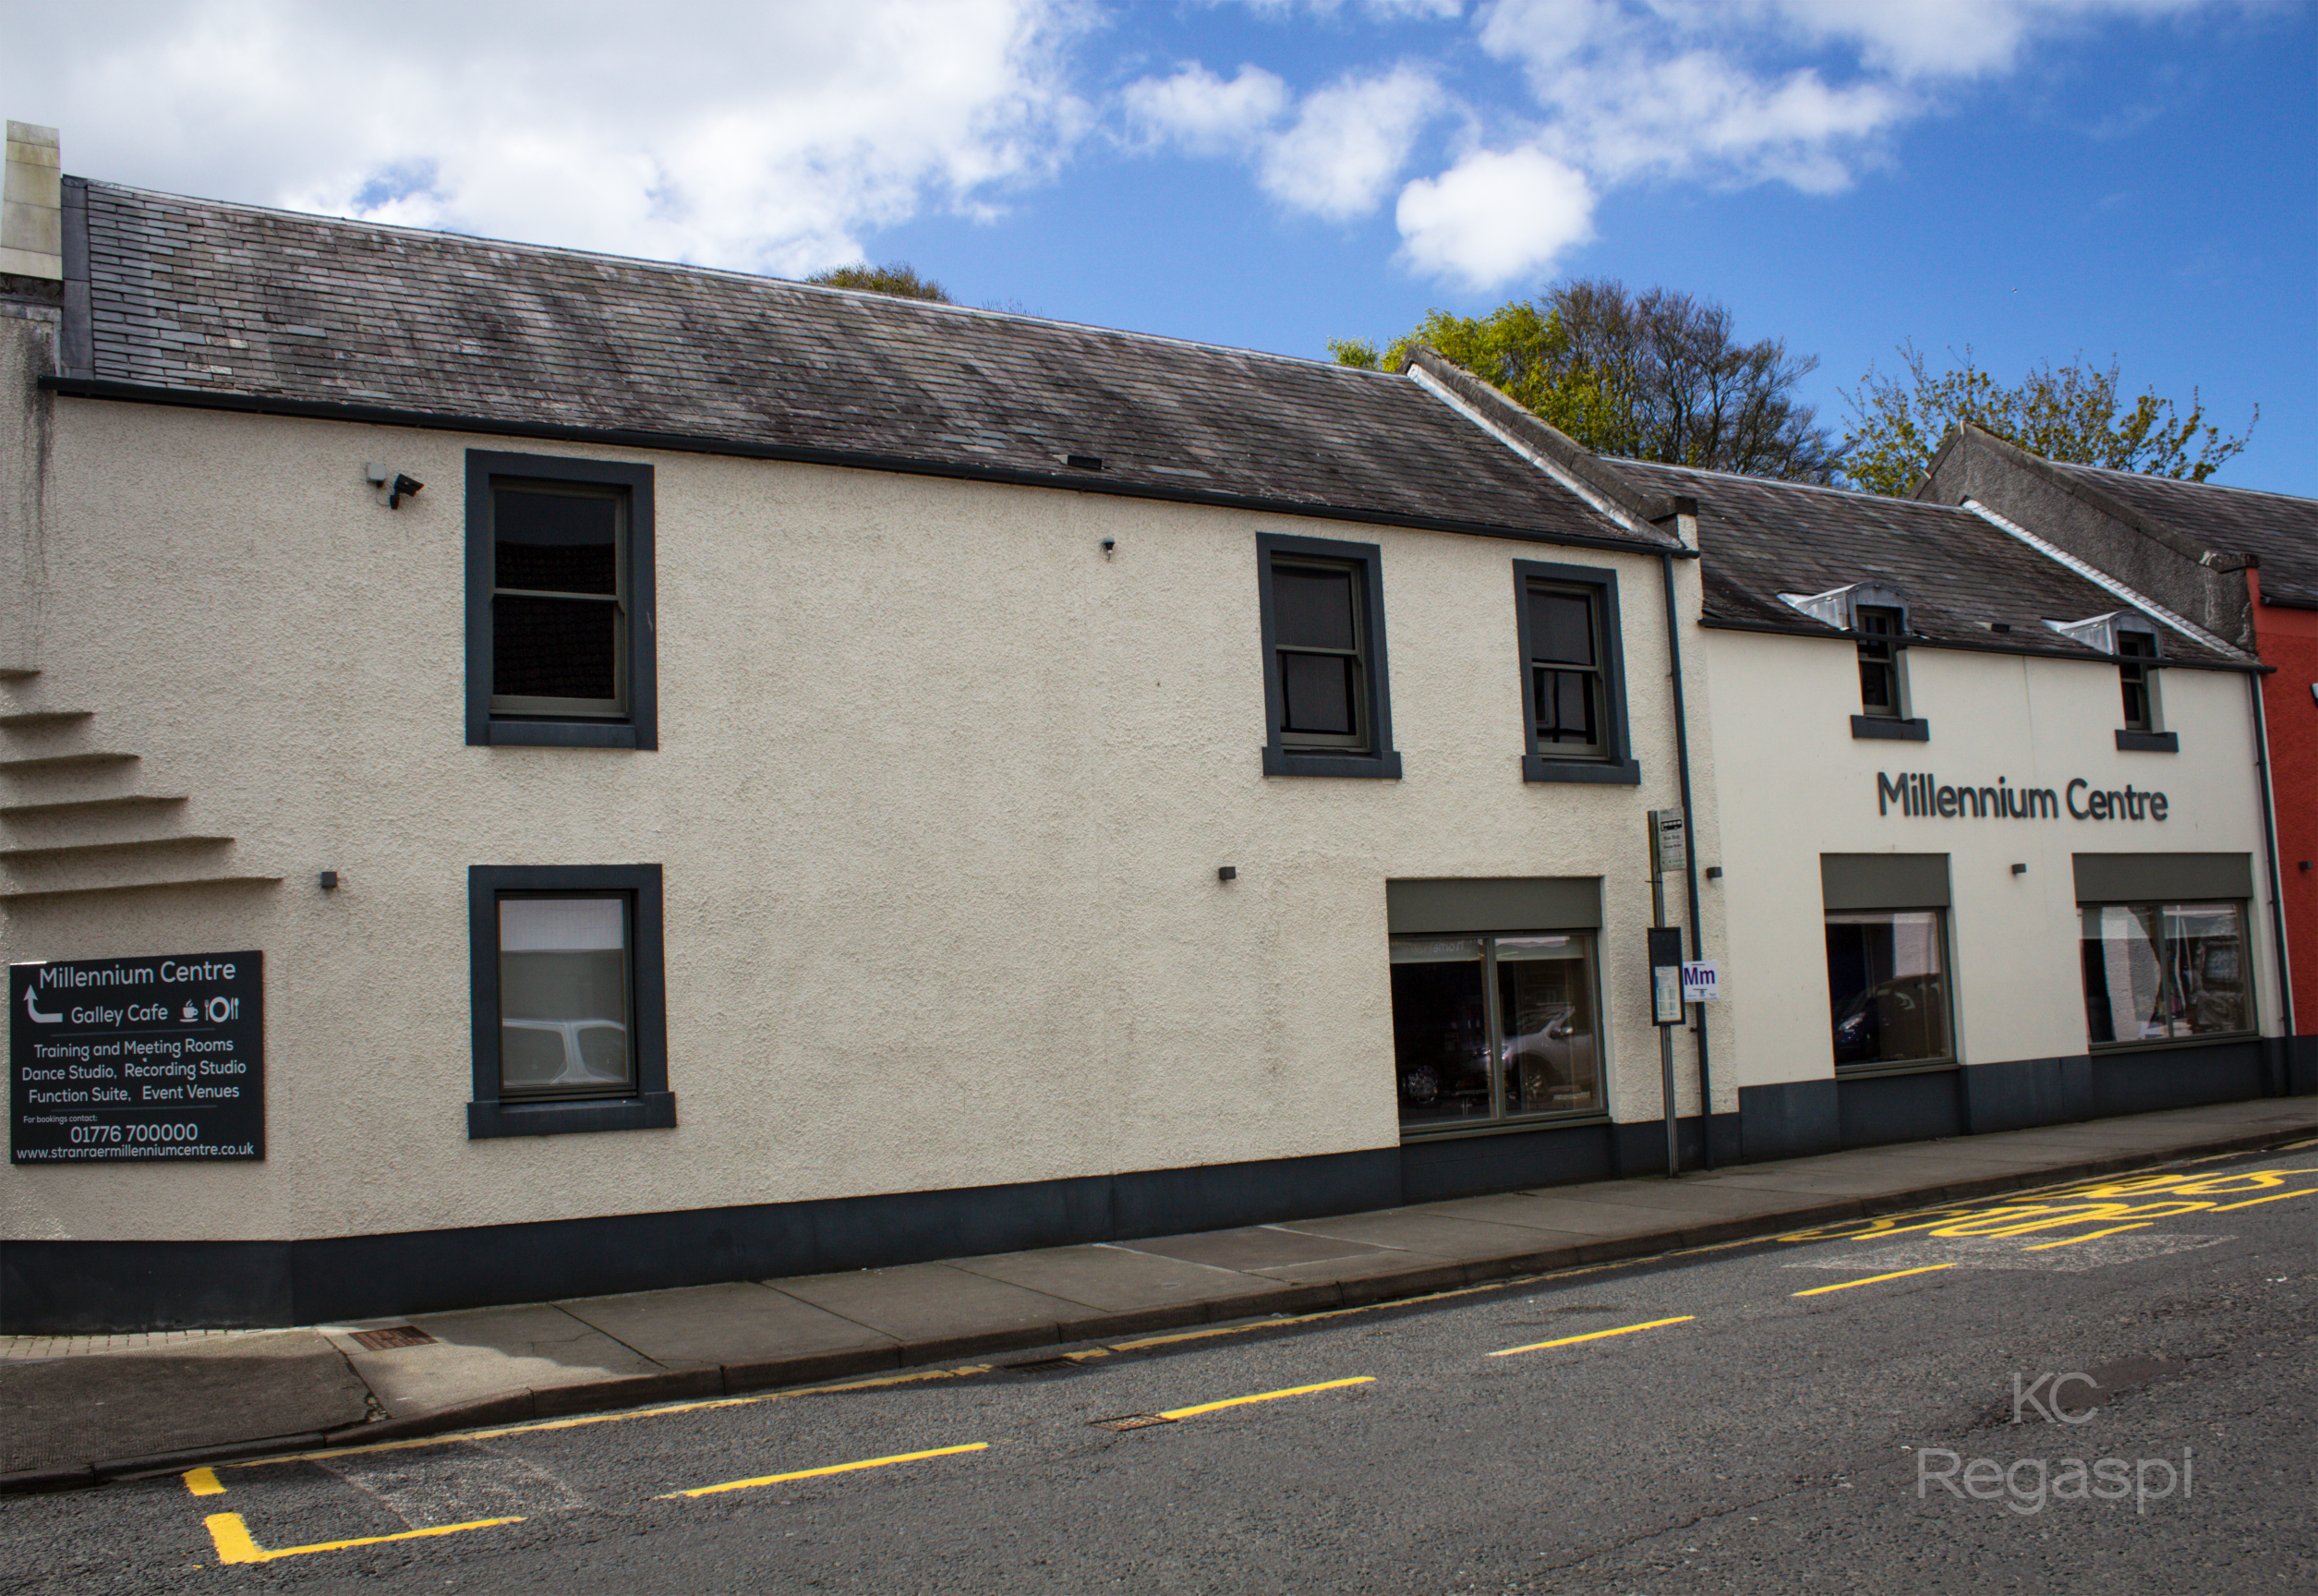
733	778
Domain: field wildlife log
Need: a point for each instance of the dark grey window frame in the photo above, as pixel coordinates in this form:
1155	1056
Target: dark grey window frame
1615	765
1381	760
1900	883
641	727
1894	724
2140	672
653	1105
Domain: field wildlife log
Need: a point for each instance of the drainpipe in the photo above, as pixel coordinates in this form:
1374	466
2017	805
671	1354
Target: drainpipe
2269	853
1686	528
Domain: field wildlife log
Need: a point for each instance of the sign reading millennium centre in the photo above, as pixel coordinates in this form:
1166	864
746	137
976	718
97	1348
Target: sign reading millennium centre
137	1058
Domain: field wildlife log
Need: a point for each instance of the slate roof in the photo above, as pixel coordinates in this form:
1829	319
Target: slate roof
2278	529
233	302
1759	538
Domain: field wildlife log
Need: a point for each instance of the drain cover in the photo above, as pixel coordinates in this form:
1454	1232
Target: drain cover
1130	1421
394	1335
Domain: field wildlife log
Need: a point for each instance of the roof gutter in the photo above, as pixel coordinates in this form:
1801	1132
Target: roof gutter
860	460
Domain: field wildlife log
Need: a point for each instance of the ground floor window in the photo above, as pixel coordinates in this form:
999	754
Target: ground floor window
1493	1028
1887	986
2161	971
565	995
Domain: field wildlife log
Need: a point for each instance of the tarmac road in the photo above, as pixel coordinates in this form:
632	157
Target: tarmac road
1802	1414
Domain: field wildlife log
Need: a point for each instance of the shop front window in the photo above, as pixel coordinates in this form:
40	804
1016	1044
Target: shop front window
1888	986
2165	972
1495	1028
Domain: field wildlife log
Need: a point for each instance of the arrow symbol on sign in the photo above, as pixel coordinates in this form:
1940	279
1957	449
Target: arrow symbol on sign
35	1013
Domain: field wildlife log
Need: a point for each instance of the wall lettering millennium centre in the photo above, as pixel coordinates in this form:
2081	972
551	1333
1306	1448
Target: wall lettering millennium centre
113	1060
1921	794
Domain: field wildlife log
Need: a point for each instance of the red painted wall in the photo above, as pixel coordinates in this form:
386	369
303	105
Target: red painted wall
2288	639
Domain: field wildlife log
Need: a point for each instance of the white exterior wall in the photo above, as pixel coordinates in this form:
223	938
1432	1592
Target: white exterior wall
1795	784
940	798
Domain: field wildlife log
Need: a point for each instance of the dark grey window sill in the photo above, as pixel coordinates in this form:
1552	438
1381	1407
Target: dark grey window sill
1505	1127
1287	762
1609	772
1871	727
564	734
1915	1067
653	1111
2149	741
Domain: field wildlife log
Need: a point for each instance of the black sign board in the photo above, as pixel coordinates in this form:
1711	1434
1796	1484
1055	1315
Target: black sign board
113	1059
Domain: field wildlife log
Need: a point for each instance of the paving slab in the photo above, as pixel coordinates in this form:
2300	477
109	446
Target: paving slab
708	1326
1800	1183
1691	1198
1250	1247
63	1413
1427	1234
1547	1211
1116	1279
486	1351
937	1309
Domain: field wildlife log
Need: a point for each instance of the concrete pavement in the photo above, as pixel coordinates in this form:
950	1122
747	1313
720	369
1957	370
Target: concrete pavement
77	1415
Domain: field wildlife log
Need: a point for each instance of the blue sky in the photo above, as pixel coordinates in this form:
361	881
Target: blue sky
2035	178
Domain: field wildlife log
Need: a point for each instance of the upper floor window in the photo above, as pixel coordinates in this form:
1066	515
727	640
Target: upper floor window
2134	652
559	634
1573	685
1879	632
1324	645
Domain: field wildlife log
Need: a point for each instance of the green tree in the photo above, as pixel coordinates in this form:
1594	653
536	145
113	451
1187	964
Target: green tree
1649	376
2069	413
899	279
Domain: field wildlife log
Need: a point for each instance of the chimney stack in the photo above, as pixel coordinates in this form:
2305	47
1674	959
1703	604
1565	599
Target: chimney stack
32	207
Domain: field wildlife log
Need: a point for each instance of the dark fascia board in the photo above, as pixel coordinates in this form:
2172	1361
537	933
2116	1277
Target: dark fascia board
1827	634
1966	435
860	460
1546	438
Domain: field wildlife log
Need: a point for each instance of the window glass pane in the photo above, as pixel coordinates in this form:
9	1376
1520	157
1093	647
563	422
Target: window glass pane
1434	950
1311	608
1878	685
564	996
554	647
2207	946
1321	690
562	542
1886	988
1546	1019
1441	1041
2124	975
1566	703
1561	628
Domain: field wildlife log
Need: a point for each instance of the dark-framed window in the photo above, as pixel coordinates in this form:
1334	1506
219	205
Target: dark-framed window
560	602
1325	686
569	999
2134	651
1887	986
1573	675
1879	630
2166	972
1492	1028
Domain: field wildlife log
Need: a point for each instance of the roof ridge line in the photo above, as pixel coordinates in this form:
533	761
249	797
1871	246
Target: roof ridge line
732	274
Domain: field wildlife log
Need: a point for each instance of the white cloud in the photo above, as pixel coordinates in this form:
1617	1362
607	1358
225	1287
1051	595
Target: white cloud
1382	10
1204	114
1933	37
1494	215
1349	143
745	135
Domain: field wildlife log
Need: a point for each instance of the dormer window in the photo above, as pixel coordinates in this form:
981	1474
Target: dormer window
2131	639
2134	651
1880	629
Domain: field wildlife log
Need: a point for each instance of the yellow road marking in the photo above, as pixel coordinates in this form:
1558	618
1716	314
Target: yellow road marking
2088	1236
1895	1275
832	1468
2280	1197
1593	1335
233	1542
1267	1397
203	1482
450	1437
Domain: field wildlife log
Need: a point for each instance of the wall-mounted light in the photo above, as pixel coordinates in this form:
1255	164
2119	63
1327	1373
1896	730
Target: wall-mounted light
329	880
1110	547
396	483
1714	872
2020	869
1228	873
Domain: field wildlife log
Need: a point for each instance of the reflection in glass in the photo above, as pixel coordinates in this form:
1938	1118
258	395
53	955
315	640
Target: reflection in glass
1546	1019
1524	1002
1320	691
1886	986
564	997
2156	971
1311	608
557	608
